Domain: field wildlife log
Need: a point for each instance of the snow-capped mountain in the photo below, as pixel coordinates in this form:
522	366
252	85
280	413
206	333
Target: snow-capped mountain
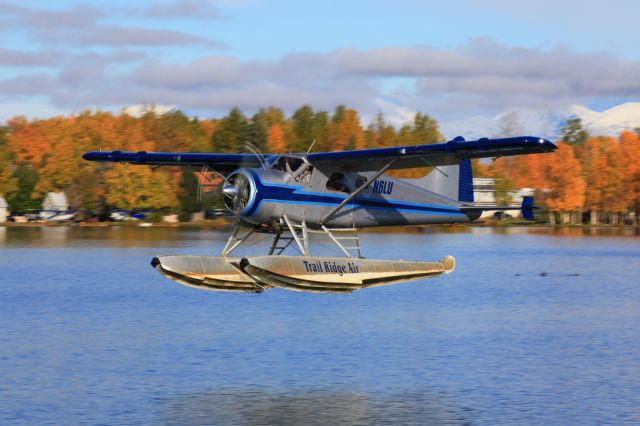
139	110
611	121
547	124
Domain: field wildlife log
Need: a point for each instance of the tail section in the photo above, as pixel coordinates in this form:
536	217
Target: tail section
527	208
455	182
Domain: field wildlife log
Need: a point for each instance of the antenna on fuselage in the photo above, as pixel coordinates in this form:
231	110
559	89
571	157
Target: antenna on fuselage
311	146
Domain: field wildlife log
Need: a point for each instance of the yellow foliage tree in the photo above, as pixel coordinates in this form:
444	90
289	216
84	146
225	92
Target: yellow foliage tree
138	187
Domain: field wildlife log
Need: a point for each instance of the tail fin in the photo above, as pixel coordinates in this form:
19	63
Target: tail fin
454	182
527	207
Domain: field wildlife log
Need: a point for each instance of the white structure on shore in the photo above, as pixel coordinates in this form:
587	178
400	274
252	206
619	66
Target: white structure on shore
484	194
4	210
55	201
55	208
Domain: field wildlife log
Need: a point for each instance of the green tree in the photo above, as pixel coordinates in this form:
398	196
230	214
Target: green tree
22	199
503	188
425	129
188	195
232	132
8	183
573	133
257	132
303	128
320	131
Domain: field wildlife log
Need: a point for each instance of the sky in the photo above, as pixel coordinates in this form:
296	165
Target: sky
452	60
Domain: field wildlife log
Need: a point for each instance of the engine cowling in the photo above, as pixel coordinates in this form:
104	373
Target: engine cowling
238	191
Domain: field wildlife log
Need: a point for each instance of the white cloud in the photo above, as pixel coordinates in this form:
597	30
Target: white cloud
107	64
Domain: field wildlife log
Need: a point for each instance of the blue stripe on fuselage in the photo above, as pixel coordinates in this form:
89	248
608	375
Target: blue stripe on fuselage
294	194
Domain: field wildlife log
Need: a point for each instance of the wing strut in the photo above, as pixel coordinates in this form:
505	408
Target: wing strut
356	192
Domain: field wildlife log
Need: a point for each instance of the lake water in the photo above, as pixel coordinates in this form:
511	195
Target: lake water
533	327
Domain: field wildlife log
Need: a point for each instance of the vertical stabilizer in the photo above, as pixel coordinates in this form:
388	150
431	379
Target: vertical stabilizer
455	182
465	183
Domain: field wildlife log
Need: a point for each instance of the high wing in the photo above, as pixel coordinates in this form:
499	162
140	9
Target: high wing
401	157
438	154
221	162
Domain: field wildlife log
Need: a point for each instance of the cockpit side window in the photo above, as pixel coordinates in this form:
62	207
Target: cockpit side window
360	180
287	164
336	182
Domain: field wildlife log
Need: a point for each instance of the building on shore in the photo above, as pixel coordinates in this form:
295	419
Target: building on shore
55	201
484	194
4	210
55	208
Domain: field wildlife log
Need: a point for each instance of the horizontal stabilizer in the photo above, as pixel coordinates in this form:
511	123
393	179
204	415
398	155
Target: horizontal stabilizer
526	209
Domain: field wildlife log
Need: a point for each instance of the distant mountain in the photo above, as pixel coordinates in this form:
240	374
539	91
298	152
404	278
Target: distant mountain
545	123
139	110
611	121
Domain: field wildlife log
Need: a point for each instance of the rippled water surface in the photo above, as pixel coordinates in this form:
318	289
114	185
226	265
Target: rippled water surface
533	327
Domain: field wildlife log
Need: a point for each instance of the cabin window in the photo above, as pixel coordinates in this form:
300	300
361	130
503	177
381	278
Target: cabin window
305	176
336	182
360	180
287	164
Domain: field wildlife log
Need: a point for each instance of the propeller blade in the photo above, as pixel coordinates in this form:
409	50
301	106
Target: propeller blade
254	150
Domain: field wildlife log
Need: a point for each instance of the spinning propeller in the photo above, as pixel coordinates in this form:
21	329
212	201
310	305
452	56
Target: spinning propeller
237	189
236	192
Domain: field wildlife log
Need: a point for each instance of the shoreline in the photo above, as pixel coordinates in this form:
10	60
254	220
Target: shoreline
223	223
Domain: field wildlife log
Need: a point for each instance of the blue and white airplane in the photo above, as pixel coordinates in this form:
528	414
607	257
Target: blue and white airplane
333	194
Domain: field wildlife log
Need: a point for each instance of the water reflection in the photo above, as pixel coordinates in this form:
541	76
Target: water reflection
315	407
163	236
107	236
55	235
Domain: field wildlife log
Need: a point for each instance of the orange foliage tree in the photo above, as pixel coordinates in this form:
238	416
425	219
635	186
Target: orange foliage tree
345	131
275	139
566	186
601	174
630	148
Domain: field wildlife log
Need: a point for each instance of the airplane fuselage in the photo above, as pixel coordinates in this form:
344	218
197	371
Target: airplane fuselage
310	197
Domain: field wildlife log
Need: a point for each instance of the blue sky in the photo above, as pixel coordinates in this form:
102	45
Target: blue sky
449	59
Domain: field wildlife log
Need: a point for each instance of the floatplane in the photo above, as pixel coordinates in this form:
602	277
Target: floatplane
292	196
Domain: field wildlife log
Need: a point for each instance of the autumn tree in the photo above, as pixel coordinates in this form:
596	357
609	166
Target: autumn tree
275	139
565	184
27	141
380	134
345	131
630	148
601	165
137	187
